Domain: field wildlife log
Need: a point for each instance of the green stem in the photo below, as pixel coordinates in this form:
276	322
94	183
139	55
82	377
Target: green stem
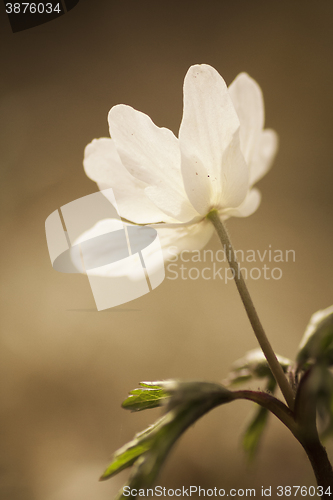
266	347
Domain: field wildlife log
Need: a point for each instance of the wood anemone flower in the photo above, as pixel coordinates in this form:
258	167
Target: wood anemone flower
173	183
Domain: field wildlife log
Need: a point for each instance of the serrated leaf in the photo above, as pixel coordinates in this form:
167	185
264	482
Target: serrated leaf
187	402
125	457
148	395
143	399
317	342
254	366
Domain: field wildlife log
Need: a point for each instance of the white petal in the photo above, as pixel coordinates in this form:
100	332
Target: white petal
263	159
258	146
247	98
103	165
208	126
235	178
187	238
169	201
151	154
248	207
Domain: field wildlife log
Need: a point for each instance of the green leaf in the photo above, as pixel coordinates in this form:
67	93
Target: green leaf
252	436
127	455
253	366
317	341
254	432
313	403
149	395
321	390
186	403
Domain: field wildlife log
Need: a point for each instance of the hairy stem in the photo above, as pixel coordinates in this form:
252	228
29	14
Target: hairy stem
274	405
266	347
321	466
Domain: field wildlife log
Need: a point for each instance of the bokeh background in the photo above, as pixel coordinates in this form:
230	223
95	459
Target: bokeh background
65	368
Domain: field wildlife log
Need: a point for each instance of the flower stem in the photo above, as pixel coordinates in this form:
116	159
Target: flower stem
266	347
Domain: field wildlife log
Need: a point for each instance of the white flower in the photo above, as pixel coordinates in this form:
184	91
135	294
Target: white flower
173	183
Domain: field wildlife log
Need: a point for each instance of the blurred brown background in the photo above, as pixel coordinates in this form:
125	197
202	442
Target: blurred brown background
65	368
